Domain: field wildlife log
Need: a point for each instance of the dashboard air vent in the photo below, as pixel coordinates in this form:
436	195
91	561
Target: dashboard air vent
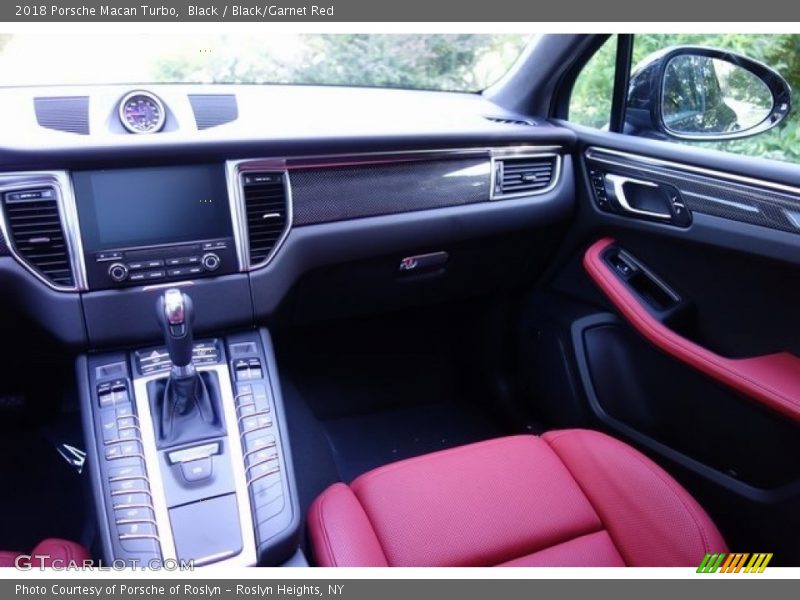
63	113
211	110
267	212
524	175
510	121
35	232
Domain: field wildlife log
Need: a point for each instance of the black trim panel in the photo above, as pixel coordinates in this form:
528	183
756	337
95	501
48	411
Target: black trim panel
709	192
314	246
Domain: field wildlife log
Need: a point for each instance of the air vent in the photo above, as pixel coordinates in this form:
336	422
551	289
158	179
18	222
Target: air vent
211	110
267	212
524	175
36	233
510	121
63	113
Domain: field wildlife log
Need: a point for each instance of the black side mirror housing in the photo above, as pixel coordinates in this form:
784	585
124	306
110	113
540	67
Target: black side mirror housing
704	94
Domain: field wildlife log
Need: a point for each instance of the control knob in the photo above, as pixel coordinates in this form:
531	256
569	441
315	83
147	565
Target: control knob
118	272
210	261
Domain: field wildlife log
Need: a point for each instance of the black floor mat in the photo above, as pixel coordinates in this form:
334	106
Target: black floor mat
363	442
42	495
367	392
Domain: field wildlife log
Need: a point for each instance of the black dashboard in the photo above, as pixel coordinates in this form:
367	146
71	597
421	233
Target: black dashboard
250	211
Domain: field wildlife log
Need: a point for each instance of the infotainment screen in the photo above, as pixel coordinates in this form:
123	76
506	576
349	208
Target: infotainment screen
125	208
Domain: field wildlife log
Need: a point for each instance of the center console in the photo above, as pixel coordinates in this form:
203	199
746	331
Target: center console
215	485
187	440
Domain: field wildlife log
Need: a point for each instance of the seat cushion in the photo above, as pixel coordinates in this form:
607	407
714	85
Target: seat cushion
47	553
567	498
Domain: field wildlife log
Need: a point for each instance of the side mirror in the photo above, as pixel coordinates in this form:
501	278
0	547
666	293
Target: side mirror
697	93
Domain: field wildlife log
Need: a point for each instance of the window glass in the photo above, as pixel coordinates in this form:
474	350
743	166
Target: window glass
452	62
590	103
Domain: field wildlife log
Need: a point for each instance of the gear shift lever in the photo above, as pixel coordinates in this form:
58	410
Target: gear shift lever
186	401
176	314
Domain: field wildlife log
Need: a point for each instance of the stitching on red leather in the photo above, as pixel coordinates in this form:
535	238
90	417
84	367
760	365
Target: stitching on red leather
366	477
68	551
572	539
626	303
645	463
328	547
324	530
359	481
371	526
604	526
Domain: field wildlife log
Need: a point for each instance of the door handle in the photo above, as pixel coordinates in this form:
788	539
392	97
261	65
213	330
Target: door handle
617	192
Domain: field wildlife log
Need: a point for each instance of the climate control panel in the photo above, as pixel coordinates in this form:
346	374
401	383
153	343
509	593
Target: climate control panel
141	266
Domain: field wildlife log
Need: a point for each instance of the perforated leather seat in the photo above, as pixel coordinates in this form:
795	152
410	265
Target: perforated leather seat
567	498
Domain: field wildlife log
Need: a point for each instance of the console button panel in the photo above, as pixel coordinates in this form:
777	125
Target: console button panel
265	464
139	266
156	360
135	520
133	529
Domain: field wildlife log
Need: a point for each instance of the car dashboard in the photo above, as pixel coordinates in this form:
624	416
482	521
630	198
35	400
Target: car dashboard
249	216
235	209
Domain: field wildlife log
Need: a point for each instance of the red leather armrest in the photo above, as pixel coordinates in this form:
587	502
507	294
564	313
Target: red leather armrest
773	379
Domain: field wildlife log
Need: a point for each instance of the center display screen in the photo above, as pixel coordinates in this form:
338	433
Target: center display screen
125	208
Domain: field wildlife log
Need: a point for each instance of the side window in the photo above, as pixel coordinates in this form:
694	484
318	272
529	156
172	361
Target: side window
723	91
590	102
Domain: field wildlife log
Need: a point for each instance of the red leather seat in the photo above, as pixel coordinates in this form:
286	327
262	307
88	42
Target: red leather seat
567	498
50	552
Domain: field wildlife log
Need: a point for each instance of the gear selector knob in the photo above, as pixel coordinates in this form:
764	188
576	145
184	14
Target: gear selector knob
176	316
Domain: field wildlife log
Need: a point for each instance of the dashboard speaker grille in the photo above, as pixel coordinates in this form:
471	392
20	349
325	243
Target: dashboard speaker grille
211	110
518	176
266	208
63	113
510	121
37	235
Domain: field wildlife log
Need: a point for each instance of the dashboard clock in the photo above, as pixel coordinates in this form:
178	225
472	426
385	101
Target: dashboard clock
142	112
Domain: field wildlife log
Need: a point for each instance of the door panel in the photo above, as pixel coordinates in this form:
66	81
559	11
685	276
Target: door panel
698	366
727	195
771	379
620	369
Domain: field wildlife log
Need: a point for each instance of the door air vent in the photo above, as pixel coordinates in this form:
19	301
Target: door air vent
267	212
211	110
523	175
63	113
36	233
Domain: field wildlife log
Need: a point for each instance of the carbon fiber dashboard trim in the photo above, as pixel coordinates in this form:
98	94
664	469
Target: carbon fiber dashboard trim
323	195
716	193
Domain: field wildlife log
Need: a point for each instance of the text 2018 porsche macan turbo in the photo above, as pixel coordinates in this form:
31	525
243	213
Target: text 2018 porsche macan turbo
264	325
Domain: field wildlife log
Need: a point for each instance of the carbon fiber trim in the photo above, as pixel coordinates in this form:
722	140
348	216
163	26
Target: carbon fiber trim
706	193
322	195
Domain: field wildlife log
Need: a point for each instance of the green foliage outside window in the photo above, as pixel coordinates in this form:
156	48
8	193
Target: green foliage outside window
456	62
591	98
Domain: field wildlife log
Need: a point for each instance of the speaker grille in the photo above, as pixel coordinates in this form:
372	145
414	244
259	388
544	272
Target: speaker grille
211	110
63	113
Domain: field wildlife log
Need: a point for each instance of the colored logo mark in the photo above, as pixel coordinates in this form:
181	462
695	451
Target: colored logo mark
735	562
